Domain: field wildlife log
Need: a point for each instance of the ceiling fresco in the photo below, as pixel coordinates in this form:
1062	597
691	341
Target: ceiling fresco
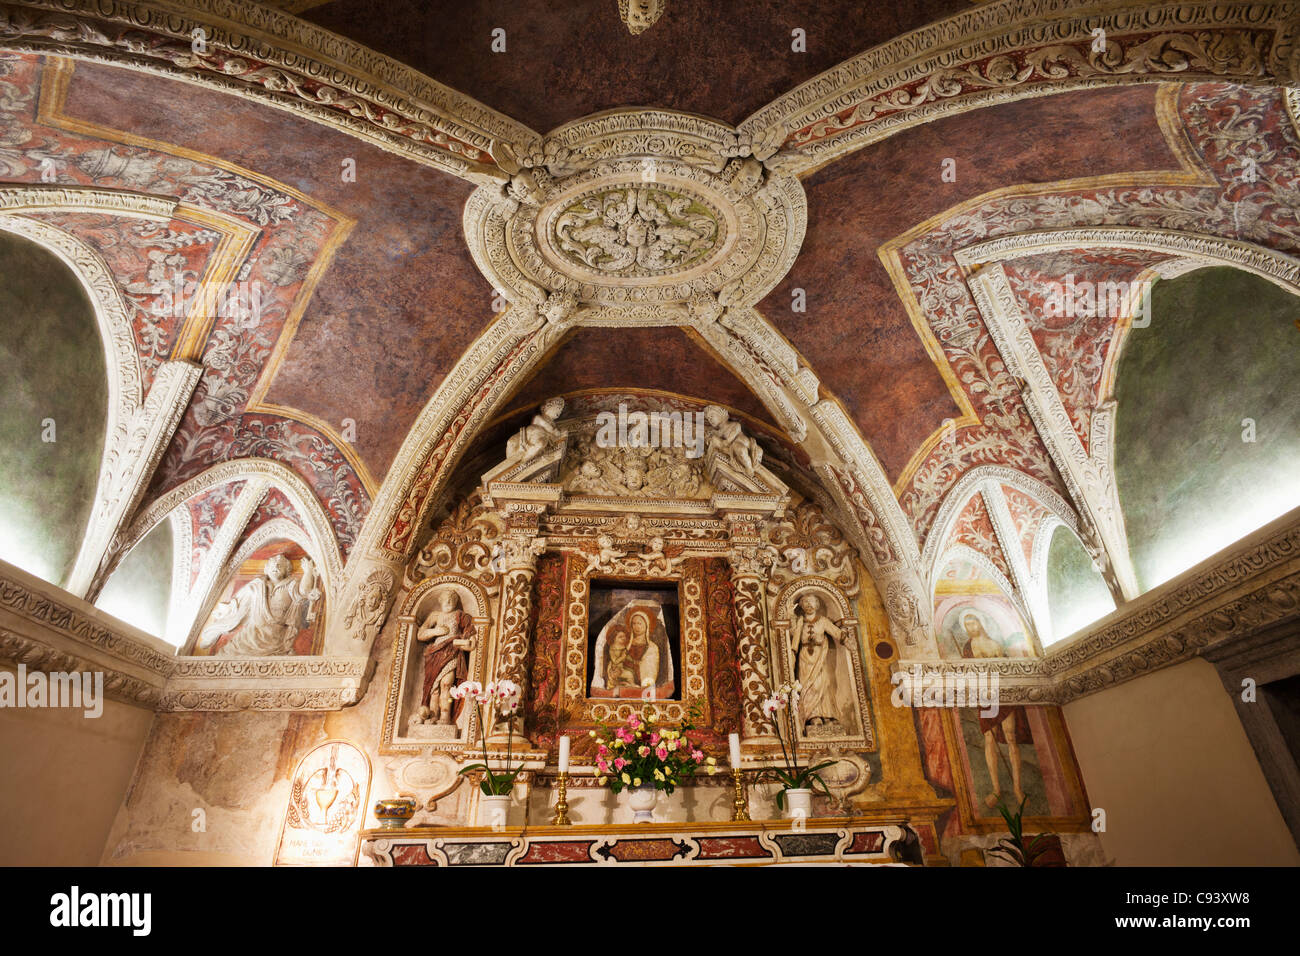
900	217
637	359
566	60
859	331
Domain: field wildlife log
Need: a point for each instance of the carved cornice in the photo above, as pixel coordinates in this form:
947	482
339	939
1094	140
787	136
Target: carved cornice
1020	680
39	656
1251	587
266	55
264	683
1008	50
49	630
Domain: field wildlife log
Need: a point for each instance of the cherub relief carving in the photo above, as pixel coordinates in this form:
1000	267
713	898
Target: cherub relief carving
655	557
607	554
644	472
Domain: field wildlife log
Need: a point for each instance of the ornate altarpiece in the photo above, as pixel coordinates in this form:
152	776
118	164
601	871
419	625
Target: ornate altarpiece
564	513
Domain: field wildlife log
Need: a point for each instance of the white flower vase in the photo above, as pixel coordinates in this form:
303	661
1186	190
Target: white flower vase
493	809
798	804
642	802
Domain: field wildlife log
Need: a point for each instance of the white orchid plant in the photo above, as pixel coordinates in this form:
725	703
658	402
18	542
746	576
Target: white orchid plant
505	696
785	703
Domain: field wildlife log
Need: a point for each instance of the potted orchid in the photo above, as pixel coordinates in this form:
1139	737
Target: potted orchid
496	784
642	757
797	783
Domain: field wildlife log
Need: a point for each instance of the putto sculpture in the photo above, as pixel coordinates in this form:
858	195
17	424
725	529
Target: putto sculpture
728	438
535	439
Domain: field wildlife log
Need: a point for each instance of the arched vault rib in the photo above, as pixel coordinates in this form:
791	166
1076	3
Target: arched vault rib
262	474
1193	250
1014	49
1089	473
138	425
994	53
513	347
264	54
961	492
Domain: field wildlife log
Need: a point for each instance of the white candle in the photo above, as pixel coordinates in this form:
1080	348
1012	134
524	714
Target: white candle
564	755
734	741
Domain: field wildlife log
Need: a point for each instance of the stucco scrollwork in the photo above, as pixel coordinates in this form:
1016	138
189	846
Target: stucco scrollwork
636	230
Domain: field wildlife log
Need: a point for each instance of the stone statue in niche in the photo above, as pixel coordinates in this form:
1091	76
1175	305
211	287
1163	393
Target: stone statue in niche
448	636
728	439
824	670
267	614
534	440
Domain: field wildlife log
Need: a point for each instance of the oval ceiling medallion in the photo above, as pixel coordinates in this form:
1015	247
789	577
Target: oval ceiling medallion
639	229
635	215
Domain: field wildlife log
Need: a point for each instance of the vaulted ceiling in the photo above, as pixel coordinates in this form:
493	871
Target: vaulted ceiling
943	177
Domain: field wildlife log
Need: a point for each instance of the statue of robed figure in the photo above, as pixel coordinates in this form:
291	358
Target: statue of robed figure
267	613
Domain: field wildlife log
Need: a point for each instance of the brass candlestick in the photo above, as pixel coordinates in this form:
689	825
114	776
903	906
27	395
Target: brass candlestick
561	818
739	801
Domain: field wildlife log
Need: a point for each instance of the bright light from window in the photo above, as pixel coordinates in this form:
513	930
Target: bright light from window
20	546
1220	528
1084	610
126	606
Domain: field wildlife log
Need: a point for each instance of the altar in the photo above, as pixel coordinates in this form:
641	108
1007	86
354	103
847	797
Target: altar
687	598
841	841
